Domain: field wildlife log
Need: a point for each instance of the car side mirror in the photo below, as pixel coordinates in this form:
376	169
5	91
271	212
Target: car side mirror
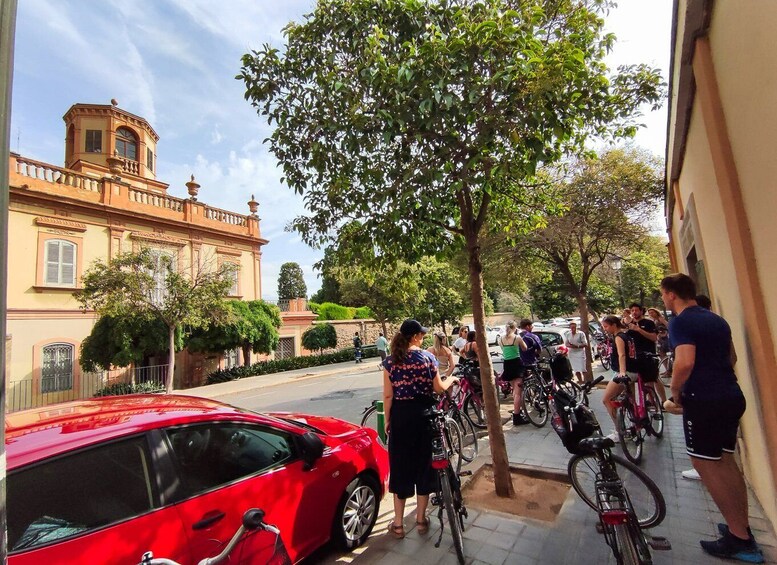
311	449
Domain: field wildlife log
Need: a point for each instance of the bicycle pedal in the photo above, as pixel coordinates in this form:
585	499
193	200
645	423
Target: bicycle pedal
599	528
465	473
659	543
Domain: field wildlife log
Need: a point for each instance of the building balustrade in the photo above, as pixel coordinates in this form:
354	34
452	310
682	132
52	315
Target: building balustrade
50	173
131	166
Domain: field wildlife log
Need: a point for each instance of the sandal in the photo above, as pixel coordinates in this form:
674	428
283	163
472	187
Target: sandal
397	531
422	527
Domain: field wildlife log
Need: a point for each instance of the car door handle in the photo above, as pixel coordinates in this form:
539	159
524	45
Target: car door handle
209	519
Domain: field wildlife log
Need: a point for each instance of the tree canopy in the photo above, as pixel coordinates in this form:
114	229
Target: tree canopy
291	282
251	325
401	122
319	337
145	286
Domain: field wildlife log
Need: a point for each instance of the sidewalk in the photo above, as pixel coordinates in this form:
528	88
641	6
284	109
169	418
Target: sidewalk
493	538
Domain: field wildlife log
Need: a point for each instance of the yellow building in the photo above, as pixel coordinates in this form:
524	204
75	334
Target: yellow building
721	196
107	200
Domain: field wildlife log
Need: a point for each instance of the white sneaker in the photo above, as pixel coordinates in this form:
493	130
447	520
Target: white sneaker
691	475
613	436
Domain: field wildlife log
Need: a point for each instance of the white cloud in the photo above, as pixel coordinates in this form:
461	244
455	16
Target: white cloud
215	135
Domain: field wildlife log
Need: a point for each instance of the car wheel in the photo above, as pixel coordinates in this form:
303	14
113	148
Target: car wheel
356	514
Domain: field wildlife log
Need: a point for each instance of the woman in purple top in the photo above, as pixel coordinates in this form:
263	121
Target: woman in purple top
410	379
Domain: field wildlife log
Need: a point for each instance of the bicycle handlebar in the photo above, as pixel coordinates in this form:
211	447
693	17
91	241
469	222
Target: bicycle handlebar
253	519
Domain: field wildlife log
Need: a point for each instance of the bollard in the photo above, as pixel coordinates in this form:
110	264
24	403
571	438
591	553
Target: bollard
381	421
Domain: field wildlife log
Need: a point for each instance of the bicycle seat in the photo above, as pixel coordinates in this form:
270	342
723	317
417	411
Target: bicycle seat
432	412
596	443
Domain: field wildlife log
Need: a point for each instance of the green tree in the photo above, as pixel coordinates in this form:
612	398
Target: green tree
119	342
609	202
443	290
642	271
146	286
250	325
402	122
391	293
291	282
319	337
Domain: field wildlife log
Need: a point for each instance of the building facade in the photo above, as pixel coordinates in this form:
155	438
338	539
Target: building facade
107	200
721	196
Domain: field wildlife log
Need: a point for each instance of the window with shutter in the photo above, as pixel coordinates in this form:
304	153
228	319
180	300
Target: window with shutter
164	263
60	263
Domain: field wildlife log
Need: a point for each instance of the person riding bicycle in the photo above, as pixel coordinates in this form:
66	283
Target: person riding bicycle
623	362
529	358
410	377
644	332
512	345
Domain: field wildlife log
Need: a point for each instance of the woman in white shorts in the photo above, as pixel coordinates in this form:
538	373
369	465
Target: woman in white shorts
623	361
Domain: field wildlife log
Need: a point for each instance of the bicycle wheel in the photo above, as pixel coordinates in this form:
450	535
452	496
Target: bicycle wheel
469	437
454	520
475	411
665	370
453	434
605	361
625	549
653	407
630	435
370	420
535	404
573	389
646	499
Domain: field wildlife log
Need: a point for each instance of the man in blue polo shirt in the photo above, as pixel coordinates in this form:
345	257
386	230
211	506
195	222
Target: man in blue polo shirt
704	384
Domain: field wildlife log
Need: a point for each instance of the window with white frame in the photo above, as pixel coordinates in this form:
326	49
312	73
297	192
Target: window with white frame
60	263
231	358
164	264
234	274
57	367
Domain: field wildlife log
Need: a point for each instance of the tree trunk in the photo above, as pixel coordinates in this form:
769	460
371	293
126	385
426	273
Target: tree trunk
246	355
502	480
385	330
171	360
443	328
582	306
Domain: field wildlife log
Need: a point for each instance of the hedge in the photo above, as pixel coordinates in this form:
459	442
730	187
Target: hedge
363	313
289	364
332	311
116	389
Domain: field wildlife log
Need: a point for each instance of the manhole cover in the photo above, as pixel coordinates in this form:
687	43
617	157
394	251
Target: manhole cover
336	395
538	495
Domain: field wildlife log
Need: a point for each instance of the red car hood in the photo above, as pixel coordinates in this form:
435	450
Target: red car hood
327	424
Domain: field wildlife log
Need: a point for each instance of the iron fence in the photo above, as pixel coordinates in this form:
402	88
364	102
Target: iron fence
24	394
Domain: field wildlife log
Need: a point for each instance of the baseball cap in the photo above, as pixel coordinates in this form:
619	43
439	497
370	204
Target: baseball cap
412	327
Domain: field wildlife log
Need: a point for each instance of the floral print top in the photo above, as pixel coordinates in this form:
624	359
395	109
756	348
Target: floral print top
412	379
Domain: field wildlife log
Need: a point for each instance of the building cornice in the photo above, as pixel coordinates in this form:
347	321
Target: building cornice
155	237
60	223
113	111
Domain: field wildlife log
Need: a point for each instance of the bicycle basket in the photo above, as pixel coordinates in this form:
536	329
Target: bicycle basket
572	432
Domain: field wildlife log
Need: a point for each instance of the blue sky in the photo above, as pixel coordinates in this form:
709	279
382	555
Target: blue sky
174	62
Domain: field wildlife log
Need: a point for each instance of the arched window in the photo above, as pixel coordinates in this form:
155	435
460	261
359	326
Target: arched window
126	144
57	367
60	263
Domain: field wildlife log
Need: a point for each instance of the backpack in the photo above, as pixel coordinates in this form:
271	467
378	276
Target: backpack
560	367
571	432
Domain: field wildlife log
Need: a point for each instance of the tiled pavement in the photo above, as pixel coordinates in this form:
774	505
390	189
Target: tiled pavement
495	539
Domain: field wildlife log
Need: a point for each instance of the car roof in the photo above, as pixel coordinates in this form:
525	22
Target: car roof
40	433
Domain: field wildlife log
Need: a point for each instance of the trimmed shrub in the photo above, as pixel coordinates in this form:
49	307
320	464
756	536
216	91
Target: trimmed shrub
117	389
289	364
314	306
363	313
332	311
320	336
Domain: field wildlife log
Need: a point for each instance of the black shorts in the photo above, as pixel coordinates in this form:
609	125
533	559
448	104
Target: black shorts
512	369
711	424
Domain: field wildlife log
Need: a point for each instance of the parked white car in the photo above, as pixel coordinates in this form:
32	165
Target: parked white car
493	333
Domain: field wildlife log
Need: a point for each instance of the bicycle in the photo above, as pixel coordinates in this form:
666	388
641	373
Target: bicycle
538	392
665	366
372	417
625	498
448	497
637	415
603	351
253	521
452	403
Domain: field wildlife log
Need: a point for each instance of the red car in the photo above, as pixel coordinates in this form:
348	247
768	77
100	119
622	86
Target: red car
105	480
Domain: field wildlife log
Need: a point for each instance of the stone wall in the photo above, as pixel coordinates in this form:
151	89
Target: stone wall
368	331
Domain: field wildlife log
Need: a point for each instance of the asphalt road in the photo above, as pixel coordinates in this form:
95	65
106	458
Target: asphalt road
343	396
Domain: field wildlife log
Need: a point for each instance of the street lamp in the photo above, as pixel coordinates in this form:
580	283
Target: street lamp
616	263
